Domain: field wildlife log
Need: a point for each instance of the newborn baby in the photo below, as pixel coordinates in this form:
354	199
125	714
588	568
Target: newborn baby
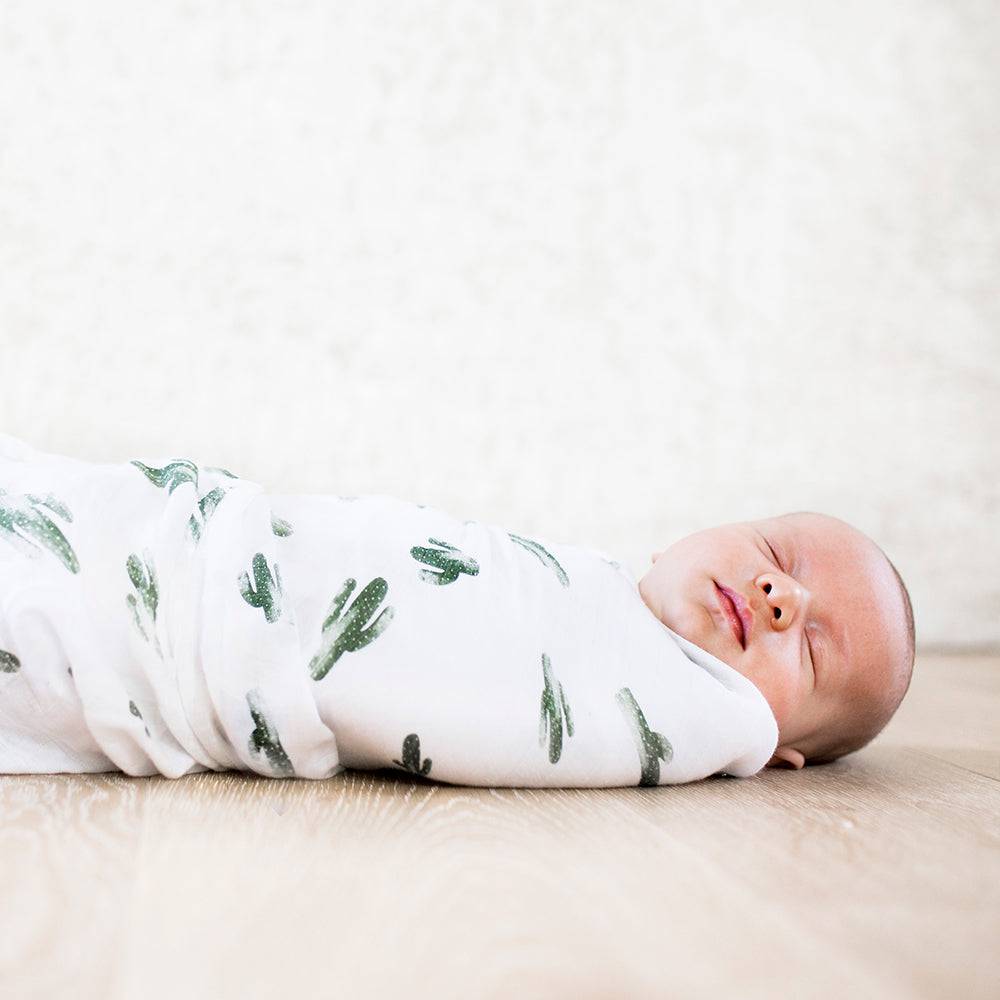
164	616
809	609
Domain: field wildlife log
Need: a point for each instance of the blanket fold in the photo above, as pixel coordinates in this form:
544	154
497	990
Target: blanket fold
160	616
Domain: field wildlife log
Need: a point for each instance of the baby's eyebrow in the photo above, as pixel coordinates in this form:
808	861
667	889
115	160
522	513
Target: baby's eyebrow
832	645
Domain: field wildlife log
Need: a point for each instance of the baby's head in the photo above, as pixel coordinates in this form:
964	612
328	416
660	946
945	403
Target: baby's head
827	629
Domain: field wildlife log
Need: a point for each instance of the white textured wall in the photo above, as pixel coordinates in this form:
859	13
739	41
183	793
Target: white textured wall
610	272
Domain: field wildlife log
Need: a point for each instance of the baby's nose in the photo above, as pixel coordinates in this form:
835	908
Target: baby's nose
783	598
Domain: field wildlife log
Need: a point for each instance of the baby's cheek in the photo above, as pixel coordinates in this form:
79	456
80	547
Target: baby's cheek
782	692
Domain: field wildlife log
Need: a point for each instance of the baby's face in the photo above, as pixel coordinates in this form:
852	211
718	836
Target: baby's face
824	617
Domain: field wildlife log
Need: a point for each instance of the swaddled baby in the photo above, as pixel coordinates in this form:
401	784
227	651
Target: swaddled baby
164	616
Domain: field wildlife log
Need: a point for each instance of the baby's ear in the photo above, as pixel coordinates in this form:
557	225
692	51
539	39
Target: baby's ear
786	757
655	556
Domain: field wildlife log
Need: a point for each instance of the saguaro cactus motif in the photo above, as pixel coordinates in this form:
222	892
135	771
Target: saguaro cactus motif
142	573
543	555
651	746
264	738
554	711
204	510
134	709
346	631
20	512
280	527
180	470
411	757
450	562
183	470
268	592
9	663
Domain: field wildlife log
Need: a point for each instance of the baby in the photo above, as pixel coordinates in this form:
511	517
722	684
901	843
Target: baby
809	609
163	616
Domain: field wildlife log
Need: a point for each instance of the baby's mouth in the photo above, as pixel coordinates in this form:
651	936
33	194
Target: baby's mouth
728	607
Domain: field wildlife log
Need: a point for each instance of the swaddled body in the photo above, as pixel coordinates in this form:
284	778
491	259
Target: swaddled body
159	616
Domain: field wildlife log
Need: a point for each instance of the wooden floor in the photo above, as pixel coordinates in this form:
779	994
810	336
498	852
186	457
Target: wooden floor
877	876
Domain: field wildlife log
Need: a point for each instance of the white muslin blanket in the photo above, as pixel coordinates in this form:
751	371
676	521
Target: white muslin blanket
163	616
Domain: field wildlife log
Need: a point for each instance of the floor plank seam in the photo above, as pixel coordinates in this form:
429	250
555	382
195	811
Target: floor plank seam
951	763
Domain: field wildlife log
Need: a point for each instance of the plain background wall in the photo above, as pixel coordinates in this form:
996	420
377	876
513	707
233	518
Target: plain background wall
606	272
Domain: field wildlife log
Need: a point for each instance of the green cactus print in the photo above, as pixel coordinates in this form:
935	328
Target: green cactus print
143	576
449	565
206	508
172	475
411	757
652	747
36	527
268	593
544	556
134	709
9	663
180	471
280	527
264	738
343	633
554	710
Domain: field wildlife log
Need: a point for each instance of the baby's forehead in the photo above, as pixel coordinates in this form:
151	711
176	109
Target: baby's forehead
847	552
840	546
863	594
822	524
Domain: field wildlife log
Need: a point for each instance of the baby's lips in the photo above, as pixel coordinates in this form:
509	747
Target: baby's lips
745	612
743	609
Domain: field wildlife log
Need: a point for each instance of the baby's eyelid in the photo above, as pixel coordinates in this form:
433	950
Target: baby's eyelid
770	548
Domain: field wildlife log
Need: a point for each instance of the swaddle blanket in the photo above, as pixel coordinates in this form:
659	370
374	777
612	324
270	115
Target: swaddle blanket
163	616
